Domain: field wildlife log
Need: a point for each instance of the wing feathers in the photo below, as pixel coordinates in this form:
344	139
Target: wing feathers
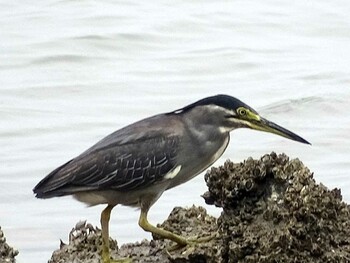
122	168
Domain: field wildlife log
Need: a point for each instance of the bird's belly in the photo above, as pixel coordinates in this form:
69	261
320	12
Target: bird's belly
131	198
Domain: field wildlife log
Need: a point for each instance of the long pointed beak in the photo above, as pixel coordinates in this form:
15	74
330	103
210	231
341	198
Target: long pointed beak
271	127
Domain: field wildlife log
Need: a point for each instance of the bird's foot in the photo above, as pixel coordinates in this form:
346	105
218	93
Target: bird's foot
120	260
191	242
106	258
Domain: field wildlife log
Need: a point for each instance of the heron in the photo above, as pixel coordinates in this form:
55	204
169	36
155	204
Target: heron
134	165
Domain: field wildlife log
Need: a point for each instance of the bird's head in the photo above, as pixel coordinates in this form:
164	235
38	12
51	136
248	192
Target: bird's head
228	113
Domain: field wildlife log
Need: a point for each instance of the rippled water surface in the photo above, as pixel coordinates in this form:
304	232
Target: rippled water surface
71	72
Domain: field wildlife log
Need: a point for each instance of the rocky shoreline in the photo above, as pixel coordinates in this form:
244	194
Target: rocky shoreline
272	211
7	253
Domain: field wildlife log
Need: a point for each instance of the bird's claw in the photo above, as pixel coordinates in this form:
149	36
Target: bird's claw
191	242
121	260
106	258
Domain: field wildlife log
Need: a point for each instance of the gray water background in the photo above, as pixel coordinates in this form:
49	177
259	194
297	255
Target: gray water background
72	72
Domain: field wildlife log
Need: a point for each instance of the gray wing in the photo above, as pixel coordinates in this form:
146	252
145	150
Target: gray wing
139	165
123	167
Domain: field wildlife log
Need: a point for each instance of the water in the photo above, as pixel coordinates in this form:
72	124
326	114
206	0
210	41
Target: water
71	72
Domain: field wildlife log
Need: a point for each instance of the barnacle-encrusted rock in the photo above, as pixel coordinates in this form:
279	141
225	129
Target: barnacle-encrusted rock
85	242
7	253
84	245
194	223
273	211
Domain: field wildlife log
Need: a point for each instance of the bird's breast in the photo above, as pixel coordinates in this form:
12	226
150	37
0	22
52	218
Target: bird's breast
198	160
220	150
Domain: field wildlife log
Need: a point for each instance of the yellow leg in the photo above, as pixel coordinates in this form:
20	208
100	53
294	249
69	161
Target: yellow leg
179	240
106	256
145	225
105	216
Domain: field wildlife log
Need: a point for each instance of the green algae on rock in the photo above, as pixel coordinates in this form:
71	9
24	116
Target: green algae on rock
7	253
274	211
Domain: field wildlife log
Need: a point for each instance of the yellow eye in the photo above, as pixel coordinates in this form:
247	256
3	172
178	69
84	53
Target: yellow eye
242	111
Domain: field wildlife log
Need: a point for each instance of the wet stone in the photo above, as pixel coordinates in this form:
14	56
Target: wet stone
272	211
7	253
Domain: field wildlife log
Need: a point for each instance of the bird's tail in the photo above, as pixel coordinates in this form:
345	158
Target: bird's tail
51	185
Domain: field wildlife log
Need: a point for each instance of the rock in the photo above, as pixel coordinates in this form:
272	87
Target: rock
7	253
84	245
273	211
193	223
85	241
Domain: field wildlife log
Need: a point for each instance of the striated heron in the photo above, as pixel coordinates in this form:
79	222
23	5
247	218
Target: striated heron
134	165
